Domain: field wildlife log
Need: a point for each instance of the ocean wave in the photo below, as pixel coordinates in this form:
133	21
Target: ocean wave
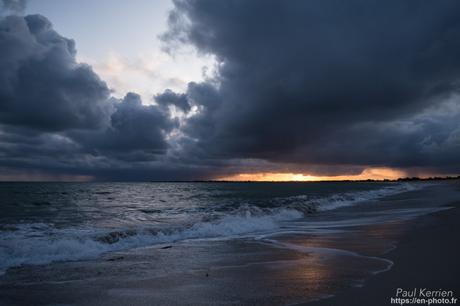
308	204
42	243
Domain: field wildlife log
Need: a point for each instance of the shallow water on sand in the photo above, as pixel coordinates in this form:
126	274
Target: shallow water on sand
173	244
46	222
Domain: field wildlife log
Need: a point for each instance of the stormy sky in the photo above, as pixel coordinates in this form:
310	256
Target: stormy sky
321	88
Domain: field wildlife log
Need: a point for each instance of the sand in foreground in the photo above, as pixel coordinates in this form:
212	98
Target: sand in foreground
428	256
291	269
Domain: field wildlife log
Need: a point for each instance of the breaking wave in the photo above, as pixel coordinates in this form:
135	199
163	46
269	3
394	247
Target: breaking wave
40	243
339	200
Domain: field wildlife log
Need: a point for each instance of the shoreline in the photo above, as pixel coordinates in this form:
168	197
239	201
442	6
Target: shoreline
426	257
304	268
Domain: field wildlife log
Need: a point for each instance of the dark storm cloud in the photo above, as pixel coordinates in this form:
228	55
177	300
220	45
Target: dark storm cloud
168	97
133	140
136	131
41	85
57	116
320	87
325	82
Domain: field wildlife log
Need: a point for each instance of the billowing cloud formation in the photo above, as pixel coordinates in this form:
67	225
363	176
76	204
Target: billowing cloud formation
168	97
319	87
134	127
328	83
57	116
41	85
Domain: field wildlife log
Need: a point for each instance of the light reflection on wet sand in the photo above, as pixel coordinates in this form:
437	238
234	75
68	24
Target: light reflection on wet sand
214	272
266	270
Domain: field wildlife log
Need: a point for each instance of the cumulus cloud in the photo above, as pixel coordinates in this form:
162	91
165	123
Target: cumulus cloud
57	115
318	87
41	85
133	127
325	83
168	97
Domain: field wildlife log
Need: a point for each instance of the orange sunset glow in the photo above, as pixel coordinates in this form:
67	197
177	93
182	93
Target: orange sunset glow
378	173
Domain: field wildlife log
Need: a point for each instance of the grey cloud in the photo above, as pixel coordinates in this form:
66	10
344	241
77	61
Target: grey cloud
319	82
134	127
321	87
168	97
57	114
41	84
12	7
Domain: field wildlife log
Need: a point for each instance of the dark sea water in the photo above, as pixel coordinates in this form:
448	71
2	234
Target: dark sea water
42	223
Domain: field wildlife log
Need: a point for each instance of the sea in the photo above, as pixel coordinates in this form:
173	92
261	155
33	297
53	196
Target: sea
42	223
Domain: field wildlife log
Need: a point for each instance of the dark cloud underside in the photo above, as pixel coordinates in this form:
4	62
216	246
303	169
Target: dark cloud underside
321	87
328	82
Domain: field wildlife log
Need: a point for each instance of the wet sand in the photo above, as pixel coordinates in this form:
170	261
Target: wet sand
428	256
199	273
285	270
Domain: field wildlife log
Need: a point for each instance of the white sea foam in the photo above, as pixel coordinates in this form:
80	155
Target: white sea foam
42	243
352	198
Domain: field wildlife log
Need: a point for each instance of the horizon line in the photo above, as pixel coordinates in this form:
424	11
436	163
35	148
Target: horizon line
401	179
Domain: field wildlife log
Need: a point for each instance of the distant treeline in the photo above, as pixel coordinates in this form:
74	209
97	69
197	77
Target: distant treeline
431	178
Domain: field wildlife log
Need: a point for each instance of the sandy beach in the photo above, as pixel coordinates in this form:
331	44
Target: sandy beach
426	257
232	152
357	263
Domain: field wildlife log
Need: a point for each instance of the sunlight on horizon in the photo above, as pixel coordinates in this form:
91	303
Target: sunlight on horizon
377	173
